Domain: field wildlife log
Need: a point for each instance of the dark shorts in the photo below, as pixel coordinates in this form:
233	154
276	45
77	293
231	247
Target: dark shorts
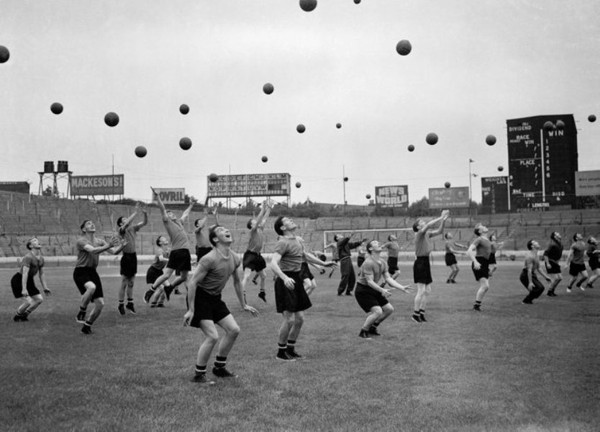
152	274
83	275
484	269
208	307
553	268
450	259
422	271
291	300
392	263
492	259
16	283
524	278
180	260
129	265
254	261
305	272
594	262
575	269
368	298
201	251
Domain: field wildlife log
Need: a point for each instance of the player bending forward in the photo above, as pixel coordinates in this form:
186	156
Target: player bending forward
371	297
206	308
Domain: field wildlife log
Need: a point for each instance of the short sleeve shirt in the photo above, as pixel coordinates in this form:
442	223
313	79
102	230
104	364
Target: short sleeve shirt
129	235
554	251
177	234
422	244
257	239
291	251
578	249
374	268
85	258
158	263
34	263
218	269
483	247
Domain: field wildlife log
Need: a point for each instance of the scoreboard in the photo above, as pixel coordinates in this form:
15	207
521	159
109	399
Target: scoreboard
249	185
494	195
542	162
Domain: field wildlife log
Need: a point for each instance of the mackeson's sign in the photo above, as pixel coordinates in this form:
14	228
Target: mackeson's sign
98	185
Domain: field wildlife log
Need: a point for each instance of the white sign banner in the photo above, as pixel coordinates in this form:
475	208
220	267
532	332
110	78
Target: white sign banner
587	183
170	195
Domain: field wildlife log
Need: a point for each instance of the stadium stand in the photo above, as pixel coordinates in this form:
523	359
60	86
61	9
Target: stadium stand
56	222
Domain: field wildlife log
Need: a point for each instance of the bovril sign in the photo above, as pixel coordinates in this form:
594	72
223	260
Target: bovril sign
170	195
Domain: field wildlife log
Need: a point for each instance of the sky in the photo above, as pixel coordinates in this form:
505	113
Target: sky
473	65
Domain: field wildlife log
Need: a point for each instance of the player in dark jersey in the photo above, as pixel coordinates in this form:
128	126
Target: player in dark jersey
576	263
370	295
422	267
348	276
179	258
593	254
206	308
393	248
253	261
362	252
528	275
128	232
552	256
479	252
291	299
495	245
451	248
23	282
155	270
201	229
86	278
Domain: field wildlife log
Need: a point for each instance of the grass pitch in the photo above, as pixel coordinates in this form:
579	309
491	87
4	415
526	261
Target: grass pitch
511	367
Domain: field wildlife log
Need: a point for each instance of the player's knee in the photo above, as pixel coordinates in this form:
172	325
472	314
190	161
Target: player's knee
298	320
234	331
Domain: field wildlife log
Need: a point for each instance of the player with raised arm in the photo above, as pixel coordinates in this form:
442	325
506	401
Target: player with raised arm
201	229
422	267
179	258
86	278
23	282
253	261
348	277
206	308
128	232
393	248
451	248
370	295
155	270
